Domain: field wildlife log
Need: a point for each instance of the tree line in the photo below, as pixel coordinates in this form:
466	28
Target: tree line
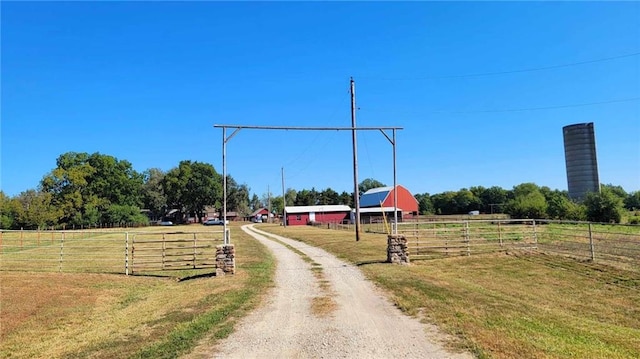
89	189
85	190
528	200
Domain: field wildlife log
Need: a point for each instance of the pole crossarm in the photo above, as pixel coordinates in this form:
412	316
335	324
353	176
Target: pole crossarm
298	128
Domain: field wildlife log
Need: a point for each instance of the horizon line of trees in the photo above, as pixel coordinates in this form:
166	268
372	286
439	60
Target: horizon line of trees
89	189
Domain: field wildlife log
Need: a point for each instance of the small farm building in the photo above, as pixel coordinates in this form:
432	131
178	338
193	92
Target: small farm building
302	215
377	201
259	215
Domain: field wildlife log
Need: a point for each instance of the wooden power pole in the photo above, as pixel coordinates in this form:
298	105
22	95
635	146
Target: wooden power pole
356	194
284	202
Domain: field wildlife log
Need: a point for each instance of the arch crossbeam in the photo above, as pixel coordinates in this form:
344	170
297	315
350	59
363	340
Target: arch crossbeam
237	128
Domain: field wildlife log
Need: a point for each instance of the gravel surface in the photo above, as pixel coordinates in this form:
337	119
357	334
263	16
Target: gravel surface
363	323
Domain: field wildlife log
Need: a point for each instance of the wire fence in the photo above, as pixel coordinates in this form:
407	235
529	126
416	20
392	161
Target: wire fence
107	251
616	245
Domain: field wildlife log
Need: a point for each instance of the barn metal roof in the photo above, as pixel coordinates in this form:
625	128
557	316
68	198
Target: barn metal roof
319	208
374	196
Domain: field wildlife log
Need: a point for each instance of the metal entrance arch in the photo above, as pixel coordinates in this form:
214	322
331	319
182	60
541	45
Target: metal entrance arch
237	128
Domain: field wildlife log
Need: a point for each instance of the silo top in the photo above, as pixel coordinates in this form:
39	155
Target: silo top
578	125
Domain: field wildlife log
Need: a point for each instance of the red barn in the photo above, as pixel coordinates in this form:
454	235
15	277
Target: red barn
302	215
382	199
259	215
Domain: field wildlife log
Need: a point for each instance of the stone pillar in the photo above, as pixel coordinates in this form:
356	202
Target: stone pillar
397	251
225	259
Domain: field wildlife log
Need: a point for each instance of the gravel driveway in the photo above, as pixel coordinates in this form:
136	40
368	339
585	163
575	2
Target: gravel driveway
352	318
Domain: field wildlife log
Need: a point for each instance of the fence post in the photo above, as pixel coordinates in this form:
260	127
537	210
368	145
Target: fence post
0	241
126	253
61	251
446	239
593	252
194	250
467	238
21	236
417	238
535	234
133	254
500	232
164	250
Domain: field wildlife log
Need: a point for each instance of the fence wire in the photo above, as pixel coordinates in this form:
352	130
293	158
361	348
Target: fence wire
106	251
616	245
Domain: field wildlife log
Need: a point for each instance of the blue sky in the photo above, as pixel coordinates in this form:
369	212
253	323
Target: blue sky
146	81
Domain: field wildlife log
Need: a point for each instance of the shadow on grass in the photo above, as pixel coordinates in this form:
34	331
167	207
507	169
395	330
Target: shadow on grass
377	261
173	276
197	276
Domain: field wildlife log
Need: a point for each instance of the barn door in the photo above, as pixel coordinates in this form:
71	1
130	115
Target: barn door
312	216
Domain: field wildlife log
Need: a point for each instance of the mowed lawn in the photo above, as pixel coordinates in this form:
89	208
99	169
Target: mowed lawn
78	315
513	305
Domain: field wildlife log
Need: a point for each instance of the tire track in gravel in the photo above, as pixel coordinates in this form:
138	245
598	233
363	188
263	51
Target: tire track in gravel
364	324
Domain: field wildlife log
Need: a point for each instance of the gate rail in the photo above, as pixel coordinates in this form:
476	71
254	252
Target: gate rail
173	251
107	250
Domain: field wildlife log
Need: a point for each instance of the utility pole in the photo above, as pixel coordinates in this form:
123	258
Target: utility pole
284	202
356	194
268	204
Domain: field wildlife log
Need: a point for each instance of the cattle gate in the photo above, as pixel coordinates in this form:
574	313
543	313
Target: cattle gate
173	251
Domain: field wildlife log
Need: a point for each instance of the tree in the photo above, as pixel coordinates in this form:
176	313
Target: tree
632	202
255	203
528	202
560	206
277	205
153	197
191	186
346	199
466	201
493	199
425	206
35	210
290	196
115	180
616	190
328	197
368	184
444	203
8	212
125	215
83	186
605	206
68	184
237	197
307	197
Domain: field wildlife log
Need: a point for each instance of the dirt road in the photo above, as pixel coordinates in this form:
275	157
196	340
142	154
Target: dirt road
326	310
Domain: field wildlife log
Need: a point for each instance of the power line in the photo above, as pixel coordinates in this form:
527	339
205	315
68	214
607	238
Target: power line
516	109
545	107
542	68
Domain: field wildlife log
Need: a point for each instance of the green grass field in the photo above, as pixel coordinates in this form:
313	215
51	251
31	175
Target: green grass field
98	315
499	305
